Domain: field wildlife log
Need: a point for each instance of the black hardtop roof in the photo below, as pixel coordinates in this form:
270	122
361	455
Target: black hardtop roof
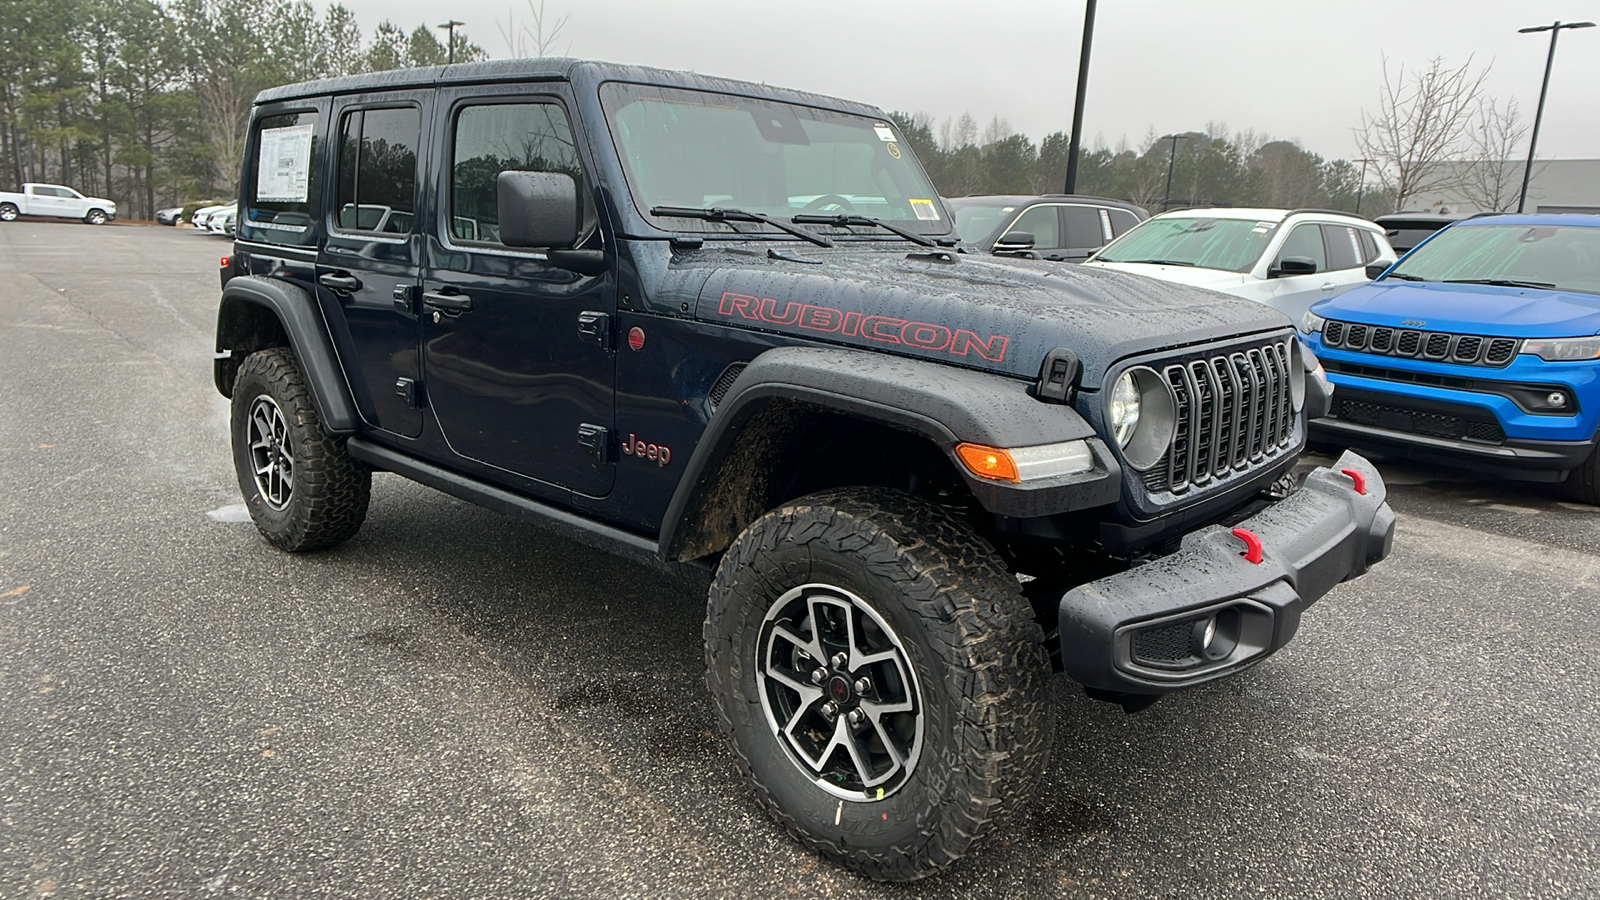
548	69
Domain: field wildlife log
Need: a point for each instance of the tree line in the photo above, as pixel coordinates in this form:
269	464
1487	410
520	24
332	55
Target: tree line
146	102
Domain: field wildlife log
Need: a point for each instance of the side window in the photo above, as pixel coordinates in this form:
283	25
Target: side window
278	207
1083	226
1305	241
1344	248
378	170
1042	223
1121	220
500	137
1369	246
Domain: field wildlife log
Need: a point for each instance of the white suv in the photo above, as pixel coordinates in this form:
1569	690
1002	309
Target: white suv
1286	259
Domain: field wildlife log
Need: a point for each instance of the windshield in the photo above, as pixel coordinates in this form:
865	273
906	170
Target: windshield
1232	245
699	150
976	221
1562	257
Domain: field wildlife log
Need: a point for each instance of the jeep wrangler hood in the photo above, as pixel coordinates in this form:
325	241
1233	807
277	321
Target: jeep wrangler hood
982	312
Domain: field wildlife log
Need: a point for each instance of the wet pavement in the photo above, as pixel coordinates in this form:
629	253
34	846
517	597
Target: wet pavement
457	704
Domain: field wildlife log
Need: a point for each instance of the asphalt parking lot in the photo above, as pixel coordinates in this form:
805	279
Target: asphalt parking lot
454	704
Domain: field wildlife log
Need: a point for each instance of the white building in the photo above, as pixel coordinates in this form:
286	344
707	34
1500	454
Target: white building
1558	185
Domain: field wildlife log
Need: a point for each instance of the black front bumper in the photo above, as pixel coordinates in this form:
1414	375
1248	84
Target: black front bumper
1143	631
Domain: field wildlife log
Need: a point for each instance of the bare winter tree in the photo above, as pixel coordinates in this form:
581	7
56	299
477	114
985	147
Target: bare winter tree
1420	124
536	40
1492	176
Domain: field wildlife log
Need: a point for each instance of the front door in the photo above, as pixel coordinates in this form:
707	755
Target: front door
1292	295
369	270
517	352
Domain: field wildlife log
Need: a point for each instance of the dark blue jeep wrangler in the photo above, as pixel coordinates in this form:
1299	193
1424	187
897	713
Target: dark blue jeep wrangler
728	330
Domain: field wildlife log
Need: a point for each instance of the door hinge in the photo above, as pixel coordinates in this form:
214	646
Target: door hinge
597	440
595	327
408	390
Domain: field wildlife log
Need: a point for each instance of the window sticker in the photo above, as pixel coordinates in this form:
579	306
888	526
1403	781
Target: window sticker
926	210
894	150
283	167
885	133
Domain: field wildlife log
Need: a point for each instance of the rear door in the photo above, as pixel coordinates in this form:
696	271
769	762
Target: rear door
516	351
1084	232
369	267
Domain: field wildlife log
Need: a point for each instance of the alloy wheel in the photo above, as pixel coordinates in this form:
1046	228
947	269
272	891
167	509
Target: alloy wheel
271	457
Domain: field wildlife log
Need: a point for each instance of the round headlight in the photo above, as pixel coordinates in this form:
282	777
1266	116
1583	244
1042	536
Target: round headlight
1124	410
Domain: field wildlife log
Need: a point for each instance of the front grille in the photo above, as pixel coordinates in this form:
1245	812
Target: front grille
1417	421
1440	346
1234	413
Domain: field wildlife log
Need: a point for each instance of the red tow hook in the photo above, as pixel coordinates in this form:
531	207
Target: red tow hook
1358	478
1252	545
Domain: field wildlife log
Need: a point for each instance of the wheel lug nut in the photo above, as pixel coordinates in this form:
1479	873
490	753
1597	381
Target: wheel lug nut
839	659
830	710
818	674
863	684
856	716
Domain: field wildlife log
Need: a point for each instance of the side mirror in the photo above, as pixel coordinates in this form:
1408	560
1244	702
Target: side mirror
1293	265
537	209
1376	269
1014	242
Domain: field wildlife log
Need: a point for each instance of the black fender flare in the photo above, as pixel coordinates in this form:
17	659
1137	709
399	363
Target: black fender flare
944	404
297	313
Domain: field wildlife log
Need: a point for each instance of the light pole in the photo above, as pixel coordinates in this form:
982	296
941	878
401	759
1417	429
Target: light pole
1073	148
1362	188
1172	156
450	26
1555	30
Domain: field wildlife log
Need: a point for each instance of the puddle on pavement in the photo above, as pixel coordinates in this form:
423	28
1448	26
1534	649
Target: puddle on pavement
229	514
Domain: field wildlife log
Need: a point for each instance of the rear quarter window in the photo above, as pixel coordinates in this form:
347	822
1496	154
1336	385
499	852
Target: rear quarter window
281	177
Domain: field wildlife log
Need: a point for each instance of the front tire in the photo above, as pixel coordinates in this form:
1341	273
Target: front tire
96	217
1583	483
303	490
880	677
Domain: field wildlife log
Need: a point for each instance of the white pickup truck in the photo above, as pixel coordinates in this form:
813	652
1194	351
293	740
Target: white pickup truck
55	200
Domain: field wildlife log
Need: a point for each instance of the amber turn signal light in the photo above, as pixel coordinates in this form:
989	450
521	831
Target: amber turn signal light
992	463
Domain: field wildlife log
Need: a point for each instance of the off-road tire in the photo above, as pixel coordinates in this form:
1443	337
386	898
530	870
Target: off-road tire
328	499
1583	483
96	217
8	212
971	639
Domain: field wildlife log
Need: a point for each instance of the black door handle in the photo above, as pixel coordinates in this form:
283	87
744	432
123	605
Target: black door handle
339	282
456	303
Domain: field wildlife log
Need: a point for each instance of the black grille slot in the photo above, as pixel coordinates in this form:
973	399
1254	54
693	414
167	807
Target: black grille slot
1164	643
1234	412
1467	349
1417	421
719	388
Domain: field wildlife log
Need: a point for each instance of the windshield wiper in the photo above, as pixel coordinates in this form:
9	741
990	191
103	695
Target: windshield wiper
1153	262
1404	277
843	219
728	214
1501	282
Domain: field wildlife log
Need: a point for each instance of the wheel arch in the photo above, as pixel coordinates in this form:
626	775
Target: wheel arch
257	313
794	415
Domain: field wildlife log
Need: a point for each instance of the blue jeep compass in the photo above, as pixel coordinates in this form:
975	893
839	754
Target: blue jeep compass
1480	349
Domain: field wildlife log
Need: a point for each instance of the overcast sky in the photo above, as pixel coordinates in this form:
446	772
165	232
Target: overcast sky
1292	69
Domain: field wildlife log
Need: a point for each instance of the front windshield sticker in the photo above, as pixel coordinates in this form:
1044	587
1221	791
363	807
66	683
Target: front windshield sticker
283	167
885	133
926	210
894	151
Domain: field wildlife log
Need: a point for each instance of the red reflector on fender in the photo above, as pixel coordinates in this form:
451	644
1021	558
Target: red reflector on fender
224	262
1252	545
1358	478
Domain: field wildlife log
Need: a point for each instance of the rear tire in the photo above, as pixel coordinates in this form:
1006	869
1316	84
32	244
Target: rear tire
8	212
303	490
1583	483
931	657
